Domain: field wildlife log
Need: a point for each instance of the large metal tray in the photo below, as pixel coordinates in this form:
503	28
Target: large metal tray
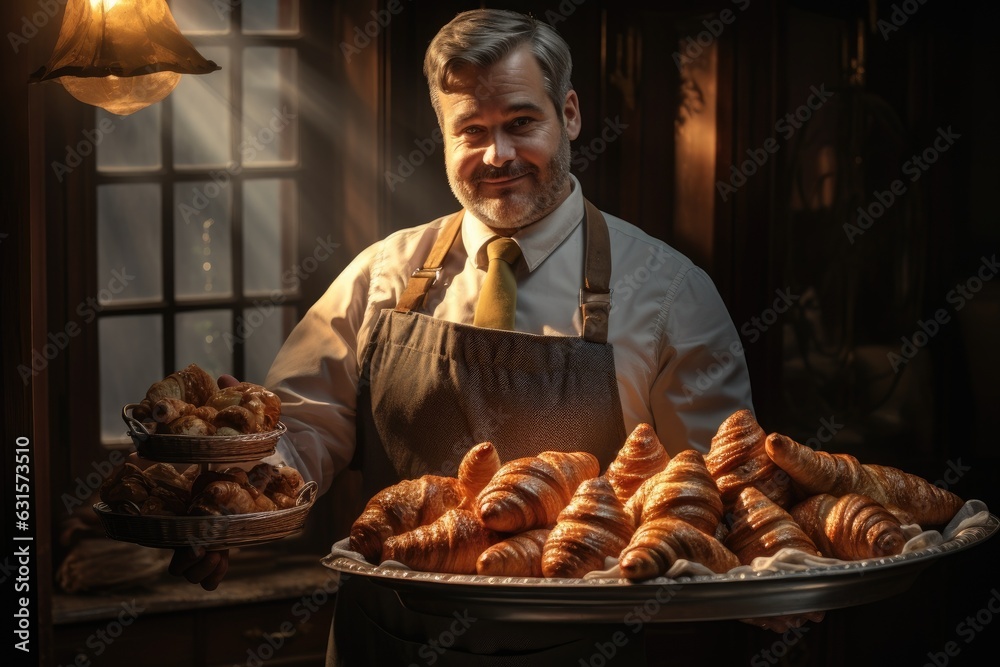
698	598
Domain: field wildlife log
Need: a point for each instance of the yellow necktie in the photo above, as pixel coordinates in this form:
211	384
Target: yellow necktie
498	298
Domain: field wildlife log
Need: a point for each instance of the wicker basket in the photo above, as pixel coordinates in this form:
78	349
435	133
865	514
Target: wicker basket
199	449
211	532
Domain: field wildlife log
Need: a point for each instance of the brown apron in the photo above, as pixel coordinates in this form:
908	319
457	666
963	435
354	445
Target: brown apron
432	389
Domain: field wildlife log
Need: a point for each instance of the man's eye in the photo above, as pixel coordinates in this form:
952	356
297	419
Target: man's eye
521	122
472	130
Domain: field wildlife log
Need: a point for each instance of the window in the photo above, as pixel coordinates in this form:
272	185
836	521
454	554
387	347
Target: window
197	210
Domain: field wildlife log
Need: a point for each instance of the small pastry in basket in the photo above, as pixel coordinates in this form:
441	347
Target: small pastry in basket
165	474
234	420
221	499
159	506
167	410
191	385
189	425
279	483
229	491
126	487
263	405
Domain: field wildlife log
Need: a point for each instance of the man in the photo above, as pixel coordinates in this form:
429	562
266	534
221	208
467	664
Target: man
399	368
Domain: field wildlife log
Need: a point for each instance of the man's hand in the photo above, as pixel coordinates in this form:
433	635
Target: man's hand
200	566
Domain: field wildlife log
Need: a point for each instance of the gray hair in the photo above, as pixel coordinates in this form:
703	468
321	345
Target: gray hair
482	37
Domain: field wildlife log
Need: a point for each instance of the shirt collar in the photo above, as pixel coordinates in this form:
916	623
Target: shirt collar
538	240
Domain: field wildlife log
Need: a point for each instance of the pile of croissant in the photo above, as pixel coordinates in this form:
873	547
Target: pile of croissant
556	515
161	490
189	402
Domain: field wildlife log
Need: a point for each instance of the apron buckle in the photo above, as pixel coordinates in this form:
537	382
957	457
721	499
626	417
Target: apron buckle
588	297
428	273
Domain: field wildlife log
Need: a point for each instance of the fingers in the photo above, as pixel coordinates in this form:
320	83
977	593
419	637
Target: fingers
199	566
226	380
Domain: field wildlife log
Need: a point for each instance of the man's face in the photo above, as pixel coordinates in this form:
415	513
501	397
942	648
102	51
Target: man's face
506	150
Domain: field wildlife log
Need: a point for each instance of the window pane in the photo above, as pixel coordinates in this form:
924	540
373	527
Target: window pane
269	113
131	354
203	262
201	17
262	331
205	337
268	236
129	267
129	142
261	16
202	119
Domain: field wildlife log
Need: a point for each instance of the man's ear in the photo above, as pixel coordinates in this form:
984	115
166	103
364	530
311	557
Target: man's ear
571	115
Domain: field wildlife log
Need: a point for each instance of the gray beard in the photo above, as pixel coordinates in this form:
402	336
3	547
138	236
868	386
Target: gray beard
518	211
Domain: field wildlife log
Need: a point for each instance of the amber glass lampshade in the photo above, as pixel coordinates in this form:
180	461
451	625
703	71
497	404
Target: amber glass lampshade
121	55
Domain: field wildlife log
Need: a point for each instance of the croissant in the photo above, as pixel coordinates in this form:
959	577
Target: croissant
657	544
191	385
737	459
450	544
263	405
852	527
401	508
232	474
281	484
167	410
236	418
517	556
157	506
476	470
166	475
590	528
167	491
128	485
684	489
839	474
223	498
641	457
189	425
762	528
530	492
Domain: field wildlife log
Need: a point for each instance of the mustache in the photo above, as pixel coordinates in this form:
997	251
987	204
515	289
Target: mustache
506	171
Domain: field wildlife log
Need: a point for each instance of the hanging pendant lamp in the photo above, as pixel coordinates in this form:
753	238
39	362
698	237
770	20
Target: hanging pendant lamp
121	55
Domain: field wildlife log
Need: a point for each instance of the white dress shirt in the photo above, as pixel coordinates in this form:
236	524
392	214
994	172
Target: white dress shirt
678	357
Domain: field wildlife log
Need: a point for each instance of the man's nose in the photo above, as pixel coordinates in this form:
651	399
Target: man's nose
500	151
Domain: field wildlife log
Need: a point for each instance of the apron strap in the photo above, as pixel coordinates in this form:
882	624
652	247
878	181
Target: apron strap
423	279
595	296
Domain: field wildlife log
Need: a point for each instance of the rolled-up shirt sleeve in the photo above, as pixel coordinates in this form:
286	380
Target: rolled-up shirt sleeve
703	376
316	376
